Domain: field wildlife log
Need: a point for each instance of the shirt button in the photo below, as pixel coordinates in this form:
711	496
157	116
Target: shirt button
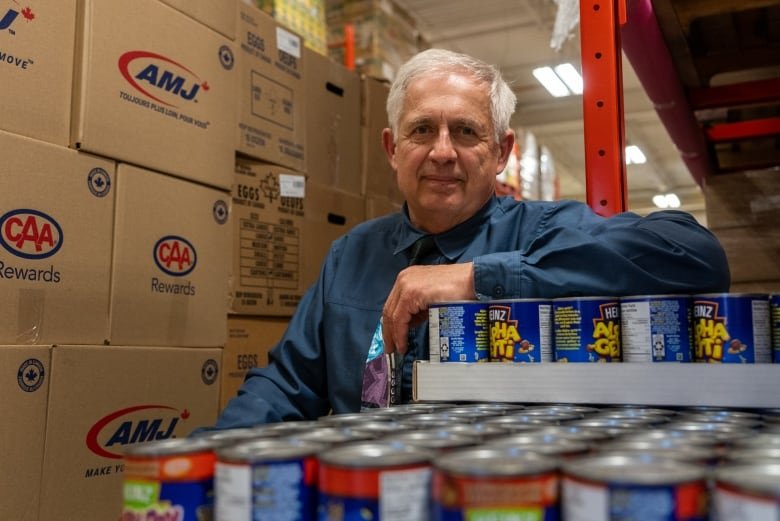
498	290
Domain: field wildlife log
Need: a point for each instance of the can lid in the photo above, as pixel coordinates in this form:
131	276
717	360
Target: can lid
495	461
171	446
270	449
639	469
750	477
373	454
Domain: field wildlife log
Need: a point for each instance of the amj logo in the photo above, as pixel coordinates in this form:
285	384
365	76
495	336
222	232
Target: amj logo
30	234
132	425
175	255
160	78
9	17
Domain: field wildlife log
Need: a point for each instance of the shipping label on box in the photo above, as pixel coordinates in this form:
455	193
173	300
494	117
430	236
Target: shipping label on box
271	120
333	137
249	341
157	89
169	284
36	68
56	216
268	246
103	400
24	386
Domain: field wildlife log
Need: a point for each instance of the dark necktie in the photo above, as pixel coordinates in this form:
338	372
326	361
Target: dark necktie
422	249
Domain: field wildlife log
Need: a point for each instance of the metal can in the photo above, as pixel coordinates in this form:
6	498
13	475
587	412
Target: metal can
656	328
747	491
640	487
731	328
774	318
436	440
380	480
586	329
494	483
267	479
544	443
170	479
520	330
459	331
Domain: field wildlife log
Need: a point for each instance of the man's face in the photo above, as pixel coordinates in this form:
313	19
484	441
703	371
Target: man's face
445	155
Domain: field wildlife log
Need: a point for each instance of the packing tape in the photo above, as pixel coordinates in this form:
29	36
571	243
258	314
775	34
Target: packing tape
30	307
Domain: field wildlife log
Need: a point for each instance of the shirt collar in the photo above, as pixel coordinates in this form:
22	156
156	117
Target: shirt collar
451	243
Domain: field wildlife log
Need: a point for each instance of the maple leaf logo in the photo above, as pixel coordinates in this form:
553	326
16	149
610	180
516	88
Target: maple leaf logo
185	414
206	86
28	14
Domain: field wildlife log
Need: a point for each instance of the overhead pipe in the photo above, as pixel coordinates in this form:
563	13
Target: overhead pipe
648	54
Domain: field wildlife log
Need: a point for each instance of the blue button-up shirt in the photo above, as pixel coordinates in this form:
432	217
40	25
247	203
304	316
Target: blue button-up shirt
519	250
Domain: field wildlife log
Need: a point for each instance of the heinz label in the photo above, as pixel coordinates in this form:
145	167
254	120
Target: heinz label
731	329
587	329
520	331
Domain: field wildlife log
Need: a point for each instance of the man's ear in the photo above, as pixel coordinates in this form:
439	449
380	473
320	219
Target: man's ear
388	143
505	147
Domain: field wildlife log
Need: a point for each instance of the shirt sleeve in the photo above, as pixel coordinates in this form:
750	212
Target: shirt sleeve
572	251
293	385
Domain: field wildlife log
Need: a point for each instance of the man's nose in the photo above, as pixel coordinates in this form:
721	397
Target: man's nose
443	149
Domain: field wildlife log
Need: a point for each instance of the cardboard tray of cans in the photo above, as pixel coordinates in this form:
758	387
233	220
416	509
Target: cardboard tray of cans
672	384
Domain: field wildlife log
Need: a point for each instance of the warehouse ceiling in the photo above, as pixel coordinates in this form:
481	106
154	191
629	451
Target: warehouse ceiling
516	36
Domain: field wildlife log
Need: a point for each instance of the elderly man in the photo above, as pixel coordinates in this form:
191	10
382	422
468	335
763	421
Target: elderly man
449	137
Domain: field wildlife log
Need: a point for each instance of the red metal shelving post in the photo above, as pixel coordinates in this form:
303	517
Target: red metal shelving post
602	101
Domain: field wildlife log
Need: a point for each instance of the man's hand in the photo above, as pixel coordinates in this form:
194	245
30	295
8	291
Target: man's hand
416	288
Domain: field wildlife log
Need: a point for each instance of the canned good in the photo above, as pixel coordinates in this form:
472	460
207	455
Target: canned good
380	480
232	436
774	320
494	483
267	479
170	479
656	328
520	330
333	435
542	443
749	491
459	332
437	440
731	328
586	329
640	487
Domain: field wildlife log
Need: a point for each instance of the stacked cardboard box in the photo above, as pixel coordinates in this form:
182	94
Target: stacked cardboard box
305	17
743	210
385	35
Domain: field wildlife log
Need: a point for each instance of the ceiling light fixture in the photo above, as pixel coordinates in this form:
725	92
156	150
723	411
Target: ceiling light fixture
669	200
570	77
550	81
634	155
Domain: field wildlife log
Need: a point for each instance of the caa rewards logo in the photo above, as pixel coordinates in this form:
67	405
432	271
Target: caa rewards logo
132	425
30	234
160	78
175	255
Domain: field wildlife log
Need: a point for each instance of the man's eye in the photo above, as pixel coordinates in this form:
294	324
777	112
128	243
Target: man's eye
467	131
421	130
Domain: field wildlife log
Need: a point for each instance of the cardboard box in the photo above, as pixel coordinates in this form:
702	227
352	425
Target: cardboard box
378	177
752	252
220	16
333	137
271	119
56	216
379	206
743	199
155	88
250	339
268	245
330	214
24	386
171	261
36	68
105	399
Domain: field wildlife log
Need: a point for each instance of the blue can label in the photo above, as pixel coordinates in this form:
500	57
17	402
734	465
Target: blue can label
656	328
774	317
587	329
459	332
520	331
730	328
